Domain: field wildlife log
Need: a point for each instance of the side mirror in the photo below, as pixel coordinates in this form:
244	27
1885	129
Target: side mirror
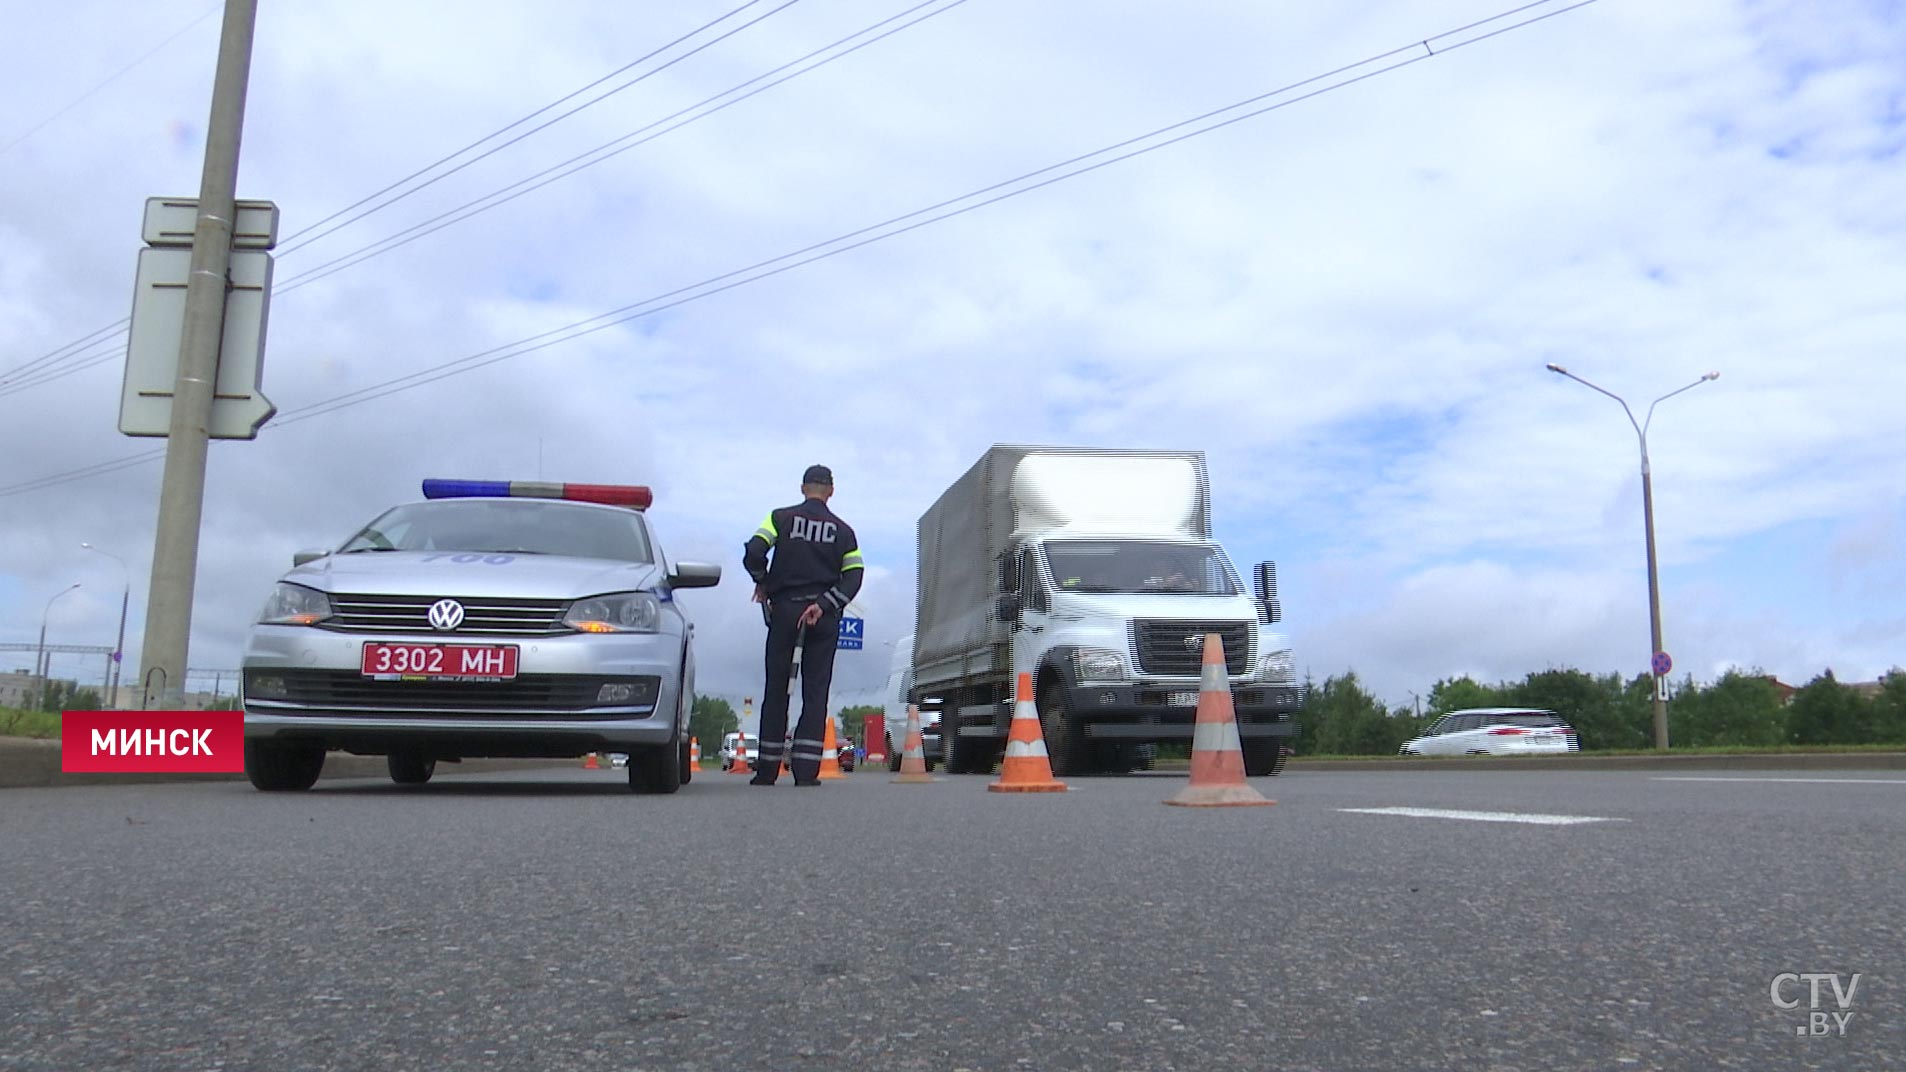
1007	608
695	575
1265	577
308	555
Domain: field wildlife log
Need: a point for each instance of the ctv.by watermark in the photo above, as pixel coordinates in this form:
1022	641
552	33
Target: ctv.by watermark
1827	997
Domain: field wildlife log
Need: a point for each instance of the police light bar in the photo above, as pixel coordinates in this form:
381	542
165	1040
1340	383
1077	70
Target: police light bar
631	495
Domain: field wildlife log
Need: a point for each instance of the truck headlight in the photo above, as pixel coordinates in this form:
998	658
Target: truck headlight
1277	667
623	612
1099	664
294	604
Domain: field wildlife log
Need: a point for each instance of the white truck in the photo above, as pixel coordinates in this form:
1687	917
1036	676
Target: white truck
1096	572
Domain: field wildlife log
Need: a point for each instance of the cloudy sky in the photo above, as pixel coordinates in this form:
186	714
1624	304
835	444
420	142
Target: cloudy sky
1346	299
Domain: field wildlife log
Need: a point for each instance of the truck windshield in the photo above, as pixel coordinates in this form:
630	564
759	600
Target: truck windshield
1139	566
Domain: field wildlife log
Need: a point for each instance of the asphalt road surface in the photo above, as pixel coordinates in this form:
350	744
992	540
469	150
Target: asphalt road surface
553	921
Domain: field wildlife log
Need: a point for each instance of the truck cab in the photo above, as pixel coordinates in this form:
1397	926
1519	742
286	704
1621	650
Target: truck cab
1096	572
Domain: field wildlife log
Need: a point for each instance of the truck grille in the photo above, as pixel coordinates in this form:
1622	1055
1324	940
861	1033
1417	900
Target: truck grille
347	690
1161	649
482	616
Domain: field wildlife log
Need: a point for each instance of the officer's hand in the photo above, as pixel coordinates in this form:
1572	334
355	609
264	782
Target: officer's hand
812	614
760	594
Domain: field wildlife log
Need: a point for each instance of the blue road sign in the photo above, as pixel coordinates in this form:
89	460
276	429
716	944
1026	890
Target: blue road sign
852	632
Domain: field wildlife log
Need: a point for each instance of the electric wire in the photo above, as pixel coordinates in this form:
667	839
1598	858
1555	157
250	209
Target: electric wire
1216	119
110	79
13	375
23	379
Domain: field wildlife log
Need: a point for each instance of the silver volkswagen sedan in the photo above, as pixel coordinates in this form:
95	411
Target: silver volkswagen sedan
493	618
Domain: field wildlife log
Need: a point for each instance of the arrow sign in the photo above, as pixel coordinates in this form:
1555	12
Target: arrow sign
852	632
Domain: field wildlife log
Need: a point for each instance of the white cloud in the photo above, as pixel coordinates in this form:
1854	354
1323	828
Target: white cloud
1347	302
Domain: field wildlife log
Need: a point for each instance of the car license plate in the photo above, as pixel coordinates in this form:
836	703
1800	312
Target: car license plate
439	662
1182	699
1545	740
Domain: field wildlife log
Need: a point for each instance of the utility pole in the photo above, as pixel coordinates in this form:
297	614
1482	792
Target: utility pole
182	493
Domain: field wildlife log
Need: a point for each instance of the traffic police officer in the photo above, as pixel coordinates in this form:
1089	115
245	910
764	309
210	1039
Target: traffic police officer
815	573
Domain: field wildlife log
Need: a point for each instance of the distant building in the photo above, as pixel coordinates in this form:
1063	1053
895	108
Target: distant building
21	688
1785	690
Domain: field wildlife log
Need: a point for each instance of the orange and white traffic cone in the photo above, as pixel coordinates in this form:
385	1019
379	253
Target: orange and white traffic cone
913	759
740	765
694	752
830	755
1217	759
589	763
1026	768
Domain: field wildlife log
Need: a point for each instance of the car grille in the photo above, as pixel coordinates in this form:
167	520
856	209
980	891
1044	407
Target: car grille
482	616
348	690
1160	646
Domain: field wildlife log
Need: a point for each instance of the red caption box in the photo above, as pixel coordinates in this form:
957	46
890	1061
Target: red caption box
152	742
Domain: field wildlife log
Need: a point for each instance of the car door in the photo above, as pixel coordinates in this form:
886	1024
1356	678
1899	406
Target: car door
1433	742
1466	736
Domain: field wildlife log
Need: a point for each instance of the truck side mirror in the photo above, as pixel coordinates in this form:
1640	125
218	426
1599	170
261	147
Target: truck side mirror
1265	578
1007	608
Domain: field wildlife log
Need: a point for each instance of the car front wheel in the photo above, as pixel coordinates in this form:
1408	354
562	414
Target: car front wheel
278	768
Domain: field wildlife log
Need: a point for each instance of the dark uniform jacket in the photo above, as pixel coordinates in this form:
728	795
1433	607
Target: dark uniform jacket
816	556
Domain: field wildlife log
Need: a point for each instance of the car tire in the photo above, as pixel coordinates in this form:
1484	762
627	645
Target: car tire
1263	758
278	768
656	770
893	762
687	765
409	767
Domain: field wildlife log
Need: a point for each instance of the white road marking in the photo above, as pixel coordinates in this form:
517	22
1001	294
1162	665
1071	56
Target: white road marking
1486	816
1810	781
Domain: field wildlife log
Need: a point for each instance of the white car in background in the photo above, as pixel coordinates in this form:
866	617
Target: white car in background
1495	731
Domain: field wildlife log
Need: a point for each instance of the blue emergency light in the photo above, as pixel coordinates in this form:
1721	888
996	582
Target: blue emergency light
630	495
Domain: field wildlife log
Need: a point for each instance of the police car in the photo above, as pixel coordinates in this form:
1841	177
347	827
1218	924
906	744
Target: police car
492	618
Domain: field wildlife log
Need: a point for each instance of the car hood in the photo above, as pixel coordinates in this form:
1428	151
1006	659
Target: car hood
436	573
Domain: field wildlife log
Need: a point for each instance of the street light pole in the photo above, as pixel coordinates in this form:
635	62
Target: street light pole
119	645
1656	651
43	663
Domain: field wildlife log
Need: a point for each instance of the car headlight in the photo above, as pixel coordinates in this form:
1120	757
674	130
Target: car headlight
1277	667
1099	664
624	612
294	604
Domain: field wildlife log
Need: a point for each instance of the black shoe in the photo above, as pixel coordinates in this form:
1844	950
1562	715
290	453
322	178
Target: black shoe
759	780
807	781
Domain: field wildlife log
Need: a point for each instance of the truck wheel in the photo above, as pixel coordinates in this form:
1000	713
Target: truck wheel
955	755
656	770
687	765
1065	746
1264	757
283	767
893	762
409	767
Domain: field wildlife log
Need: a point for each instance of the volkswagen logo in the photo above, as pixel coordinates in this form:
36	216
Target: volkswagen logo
446	614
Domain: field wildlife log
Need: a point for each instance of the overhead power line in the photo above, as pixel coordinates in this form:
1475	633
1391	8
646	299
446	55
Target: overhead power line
293	244
63	362
110	79
15	377
1162	137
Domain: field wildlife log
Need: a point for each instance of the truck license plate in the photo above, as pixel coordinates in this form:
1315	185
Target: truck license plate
1182	699
439	662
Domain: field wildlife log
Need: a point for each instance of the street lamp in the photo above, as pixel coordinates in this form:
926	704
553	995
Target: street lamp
45	666
119	646
1658	662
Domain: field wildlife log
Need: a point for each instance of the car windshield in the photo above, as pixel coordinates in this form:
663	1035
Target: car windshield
507	526
1139	566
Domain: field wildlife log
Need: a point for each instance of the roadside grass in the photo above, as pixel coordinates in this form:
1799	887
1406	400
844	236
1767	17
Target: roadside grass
18	722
